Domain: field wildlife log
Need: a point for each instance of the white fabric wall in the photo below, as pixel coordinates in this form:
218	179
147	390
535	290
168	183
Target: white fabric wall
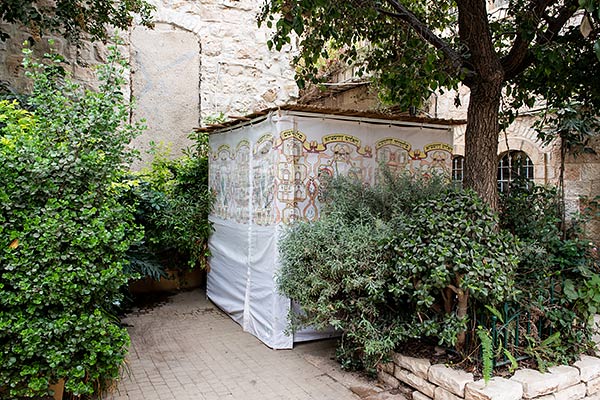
265	175
241	280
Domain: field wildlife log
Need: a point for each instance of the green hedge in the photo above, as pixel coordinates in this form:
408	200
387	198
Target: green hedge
403	259
63	231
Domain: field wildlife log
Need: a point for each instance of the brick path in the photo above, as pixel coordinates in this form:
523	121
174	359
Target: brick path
188	349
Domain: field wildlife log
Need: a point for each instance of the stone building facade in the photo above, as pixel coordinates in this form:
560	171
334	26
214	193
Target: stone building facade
207	57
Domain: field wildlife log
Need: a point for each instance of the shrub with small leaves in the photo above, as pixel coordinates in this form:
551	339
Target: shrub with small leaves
557	279
383	270
340	272
63	231
173	203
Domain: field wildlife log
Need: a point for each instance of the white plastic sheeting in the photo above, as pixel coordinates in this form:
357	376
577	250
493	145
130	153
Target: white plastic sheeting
266	174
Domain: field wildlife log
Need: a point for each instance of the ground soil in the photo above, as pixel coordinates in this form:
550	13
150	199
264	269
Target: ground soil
438	355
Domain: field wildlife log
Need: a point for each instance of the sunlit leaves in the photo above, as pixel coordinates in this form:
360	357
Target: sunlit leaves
63	231
72	18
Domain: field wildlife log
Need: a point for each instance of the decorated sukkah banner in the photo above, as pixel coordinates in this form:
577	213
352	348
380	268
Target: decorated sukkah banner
267	173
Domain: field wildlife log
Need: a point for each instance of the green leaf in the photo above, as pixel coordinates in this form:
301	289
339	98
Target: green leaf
569	290
553	339
496	313
514	365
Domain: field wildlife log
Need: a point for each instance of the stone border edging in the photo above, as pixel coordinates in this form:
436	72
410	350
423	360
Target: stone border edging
439	382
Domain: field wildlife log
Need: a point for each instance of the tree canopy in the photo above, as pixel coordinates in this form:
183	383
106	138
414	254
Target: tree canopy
70	18
524	52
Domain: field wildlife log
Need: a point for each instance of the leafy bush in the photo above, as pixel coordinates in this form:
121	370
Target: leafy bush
557	277
396	261
173	203
449	254
340	273
63	231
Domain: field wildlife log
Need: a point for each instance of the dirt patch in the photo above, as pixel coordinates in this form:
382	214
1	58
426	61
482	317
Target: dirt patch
470	363
429	350
144	303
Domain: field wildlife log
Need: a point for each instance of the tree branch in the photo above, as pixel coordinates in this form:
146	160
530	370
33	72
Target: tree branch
474	32
453	288
556	24
519	57
406	16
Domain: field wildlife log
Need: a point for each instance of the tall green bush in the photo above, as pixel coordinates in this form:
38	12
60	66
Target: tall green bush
450	254
403	259
173	203
557	280
63	231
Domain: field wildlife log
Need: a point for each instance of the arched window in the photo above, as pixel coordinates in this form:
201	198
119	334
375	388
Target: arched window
513	164
458	166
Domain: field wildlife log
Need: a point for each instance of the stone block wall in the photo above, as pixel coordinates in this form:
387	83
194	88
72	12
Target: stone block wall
165	83
439	382
582	184
239	74
205	57
80	59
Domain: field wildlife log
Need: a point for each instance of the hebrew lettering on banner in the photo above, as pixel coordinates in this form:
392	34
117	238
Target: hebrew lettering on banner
277	179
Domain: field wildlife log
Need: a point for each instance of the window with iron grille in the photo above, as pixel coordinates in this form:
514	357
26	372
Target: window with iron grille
458	165
513	164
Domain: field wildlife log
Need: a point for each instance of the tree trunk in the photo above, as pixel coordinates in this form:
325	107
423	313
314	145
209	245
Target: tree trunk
481	141
462	308
481	137
448	298
462	301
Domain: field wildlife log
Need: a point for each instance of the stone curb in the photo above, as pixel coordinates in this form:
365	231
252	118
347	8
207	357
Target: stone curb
439	382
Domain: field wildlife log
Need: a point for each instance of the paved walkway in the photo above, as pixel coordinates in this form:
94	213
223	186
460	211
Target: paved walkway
188	349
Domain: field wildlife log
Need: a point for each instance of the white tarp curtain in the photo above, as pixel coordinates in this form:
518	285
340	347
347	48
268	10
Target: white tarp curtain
267	174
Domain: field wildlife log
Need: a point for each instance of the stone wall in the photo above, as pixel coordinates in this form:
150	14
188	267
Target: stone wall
439	382
205	57
359	98
238	73
582	183
81	60
165	83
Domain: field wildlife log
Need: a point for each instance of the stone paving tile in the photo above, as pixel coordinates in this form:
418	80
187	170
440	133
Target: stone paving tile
189	349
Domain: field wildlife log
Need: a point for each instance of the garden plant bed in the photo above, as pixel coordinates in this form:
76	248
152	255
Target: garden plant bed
424	349
437	381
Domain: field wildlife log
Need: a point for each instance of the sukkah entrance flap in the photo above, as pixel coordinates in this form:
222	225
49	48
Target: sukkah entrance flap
268	174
